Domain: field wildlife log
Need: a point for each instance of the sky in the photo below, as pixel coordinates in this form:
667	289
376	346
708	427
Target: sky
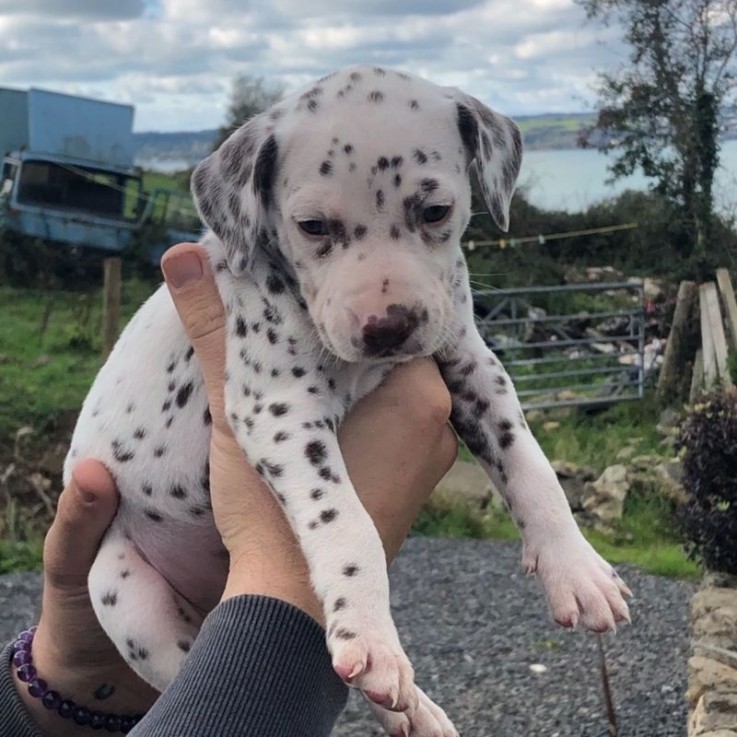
175	59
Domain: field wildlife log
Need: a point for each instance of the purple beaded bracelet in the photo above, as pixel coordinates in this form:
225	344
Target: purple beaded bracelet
66	708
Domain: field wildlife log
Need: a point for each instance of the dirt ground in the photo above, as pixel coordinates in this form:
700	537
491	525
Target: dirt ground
30	476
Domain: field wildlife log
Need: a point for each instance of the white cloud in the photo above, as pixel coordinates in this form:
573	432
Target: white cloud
174	59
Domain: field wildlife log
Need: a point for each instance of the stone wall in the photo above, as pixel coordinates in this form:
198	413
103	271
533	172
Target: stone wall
712	668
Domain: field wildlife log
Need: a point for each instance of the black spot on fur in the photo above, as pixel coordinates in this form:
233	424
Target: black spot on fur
339	604
121	454
298	372
468	128
110	598
326	168
153	516
278	409
350	570
394	232
328	515
274	284
316	452
379	200
317	494
359	232
264	171
183	645
178	492
184	393
376	96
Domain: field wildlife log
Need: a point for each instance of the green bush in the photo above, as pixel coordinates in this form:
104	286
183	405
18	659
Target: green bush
709	518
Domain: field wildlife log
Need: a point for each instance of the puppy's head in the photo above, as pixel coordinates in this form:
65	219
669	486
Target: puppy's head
363	183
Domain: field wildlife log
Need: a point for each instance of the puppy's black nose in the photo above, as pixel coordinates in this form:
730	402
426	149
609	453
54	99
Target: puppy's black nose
381	335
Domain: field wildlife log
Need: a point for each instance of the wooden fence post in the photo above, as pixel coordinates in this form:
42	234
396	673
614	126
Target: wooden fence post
674	378
730	304
111	305
713	342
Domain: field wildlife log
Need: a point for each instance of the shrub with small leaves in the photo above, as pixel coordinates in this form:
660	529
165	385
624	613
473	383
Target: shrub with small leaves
708	440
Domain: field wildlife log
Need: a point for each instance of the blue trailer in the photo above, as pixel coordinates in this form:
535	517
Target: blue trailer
68	176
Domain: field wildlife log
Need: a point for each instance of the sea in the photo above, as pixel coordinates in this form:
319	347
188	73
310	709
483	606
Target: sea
571	179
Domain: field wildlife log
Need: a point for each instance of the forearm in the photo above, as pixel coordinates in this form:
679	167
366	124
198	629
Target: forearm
258	667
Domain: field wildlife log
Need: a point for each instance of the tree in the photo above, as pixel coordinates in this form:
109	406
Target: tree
248	97
663	111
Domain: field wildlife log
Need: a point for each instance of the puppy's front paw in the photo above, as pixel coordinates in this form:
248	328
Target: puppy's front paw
368	656
580	586
428	720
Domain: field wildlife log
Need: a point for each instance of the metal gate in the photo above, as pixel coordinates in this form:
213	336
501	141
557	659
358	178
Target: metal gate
557	356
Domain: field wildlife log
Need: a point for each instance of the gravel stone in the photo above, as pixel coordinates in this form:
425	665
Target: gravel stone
474	625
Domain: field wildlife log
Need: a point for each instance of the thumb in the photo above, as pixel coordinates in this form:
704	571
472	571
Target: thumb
192	287
85	510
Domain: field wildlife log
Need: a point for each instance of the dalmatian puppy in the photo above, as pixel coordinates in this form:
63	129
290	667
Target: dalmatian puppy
335	223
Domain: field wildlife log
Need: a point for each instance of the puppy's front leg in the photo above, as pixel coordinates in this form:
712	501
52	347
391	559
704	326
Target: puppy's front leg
579	585
284	413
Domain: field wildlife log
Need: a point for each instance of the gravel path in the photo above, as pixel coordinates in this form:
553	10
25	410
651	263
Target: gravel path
473	625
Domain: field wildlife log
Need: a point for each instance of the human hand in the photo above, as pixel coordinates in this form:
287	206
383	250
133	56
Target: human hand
71	652
396	443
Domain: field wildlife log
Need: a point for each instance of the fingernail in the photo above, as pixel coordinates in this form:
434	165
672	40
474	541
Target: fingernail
182	270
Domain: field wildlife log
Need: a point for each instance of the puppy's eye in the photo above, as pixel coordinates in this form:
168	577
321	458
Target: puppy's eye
435	213
313	227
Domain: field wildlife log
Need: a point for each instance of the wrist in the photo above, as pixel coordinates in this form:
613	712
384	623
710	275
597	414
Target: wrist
277	578
55	691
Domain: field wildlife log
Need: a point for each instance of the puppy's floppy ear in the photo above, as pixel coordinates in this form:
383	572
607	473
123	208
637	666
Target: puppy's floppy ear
233	189
494	142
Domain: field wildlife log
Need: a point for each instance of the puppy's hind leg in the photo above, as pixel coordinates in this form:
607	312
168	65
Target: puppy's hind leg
152	626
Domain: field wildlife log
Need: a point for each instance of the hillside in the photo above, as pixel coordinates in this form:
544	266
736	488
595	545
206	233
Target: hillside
549	131
552	130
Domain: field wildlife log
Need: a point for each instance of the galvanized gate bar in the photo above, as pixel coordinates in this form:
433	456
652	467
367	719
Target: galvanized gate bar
599	375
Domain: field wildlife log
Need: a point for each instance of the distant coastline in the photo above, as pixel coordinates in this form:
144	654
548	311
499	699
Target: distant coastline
546	132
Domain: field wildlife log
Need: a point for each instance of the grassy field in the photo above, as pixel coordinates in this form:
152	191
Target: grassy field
50	352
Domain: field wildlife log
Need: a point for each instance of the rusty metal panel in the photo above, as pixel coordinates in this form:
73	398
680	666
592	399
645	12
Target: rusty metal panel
13	120
81	128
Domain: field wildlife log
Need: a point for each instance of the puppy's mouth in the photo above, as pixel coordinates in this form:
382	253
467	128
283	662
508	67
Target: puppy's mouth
374	353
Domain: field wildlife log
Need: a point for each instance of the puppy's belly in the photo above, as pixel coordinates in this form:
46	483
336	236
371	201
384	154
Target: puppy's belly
191	557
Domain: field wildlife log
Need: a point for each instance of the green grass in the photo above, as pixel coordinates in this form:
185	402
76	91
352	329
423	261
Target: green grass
21	555
644	536
594	438
50	350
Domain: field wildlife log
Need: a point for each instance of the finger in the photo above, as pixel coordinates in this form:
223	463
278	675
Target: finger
192	287
85	510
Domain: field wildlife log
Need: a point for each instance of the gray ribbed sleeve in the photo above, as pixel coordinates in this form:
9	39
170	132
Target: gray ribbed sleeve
259	667
14	719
